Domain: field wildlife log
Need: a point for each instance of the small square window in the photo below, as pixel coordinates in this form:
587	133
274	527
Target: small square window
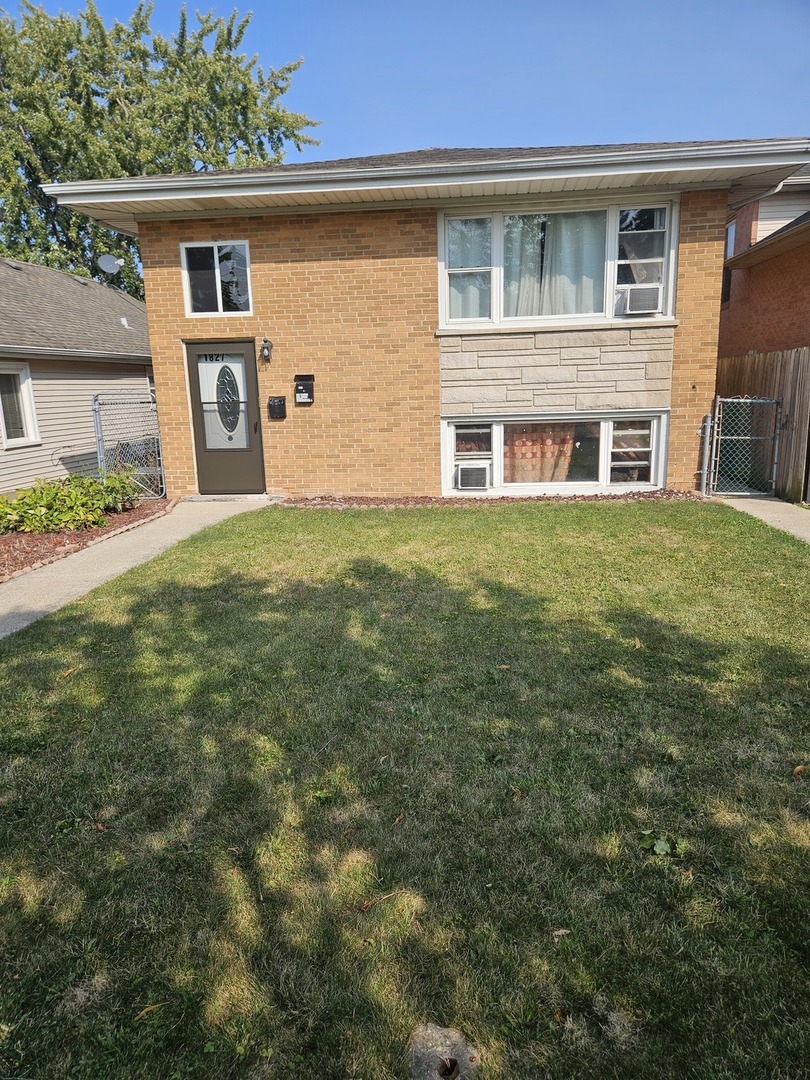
217	277
473	441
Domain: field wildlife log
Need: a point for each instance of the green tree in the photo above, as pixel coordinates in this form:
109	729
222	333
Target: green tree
81	101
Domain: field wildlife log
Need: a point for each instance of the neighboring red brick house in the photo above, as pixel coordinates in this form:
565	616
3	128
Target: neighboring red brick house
764	345
511	321
766	298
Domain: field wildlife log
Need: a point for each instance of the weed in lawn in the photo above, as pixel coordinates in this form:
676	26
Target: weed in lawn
359	771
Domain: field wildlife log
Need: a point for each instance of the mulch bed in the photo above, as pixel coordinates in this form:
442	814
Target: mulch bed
361	502
25	551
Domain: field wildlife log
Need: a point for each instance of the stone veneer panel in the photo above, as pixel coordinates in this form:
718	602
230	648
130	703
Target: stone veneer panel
572	369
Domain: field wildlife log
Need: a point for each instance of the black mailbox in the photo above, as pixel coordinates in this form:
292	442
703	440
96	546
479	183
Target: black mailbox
304	389
277	408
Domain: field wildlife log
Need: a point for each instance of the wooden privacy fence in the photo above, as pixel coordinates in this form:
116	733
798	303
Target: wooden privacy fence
783	375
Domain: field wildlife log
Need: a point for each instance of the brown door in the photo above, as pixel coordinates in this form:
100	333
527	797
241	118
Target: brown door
226	418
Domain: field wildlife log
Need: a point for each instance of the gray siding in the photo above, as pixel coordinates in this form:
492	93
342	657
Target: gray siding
569	371
63	400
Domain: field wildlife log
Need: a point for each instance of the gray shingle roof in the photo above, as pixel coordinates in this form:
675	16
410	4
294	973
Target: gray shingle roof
463	156
41	308
483	155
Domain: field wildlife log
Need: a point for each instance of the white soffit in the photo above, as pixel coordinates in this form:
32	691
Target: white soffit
746	169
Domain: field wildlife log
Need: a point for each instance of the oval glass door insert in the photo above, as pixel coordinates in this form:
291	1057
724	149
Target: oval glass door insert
227	392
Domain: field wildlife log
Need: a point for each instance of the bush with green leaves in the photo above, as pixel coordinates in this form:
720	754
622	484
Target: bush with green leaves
75	502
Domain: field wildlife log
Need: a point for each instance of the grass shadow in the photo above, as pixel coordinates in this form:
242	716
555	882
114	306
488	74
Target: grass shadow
264	824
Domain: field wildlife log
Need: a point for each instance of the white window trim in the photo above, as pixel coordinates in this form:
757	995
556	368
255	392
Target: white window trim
731	235
602	486
602	319
187	284
27	401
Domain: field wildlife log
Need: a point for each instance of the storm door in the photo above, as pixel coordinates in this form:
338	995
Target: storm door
226	418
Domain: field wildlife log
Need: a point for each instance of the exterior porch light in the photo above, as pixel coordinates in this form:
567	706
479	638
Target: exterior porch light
267	349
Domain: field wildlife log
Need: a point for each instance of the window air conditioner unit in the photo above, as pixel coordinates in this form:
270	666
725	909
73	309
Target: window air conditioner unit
643	299
473	477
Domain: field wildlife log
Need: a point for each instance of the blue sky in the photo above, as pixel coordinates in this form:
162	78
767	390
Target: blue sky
383	77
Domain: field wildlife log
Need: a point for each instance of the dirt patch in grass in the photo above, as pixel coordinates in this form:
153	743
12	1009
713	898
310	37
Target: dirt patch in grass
26	551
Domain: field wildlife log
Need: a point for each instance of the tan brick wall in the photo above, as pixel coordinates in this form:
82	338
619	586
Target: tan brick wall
349	297
352	298
700	269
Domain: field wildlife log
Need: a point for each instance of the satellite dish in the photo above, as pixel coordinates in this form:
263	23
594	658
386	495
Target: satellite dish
109	264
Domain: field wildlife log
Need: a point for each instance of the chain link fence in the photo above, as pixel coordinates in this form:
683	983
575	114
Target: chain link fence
745	445
128	437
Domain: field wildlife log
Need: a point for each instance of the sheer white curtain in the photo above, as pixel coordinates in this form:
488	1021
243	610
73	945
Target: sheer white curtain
573	264
522	264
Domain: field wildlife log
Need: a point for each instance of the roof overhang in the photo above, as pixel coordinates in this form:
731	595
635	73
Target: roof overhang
745	168
25	352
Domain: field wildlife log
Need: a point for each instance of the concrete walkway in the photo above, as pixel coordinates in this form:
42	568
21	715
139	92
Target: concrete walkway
781	515
27	598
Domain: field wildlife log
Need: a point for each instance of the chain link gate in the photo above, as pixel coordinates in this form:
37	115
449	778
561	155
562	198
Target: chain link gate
745	446
128	437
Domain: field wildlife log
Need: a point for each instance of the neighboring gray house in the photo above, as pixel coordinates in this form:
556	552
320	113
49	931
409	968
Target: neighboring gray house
62	339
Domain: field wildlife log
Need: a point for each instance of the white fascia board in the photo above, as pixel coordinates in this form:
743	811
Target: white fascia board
740	158
27	352
737	160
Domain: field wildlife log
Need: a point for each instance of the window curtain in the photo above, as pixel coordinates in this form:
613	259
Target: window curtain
469	295
522	264
537	453
574	264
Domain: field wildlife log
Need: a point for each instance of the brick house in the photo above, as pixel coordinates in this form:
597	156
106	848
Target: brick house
510	321
764	343
766	295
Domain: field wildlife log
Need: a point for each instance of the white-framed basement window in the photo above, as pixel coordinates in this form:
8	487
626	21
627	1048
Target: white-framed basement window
18	419
588	455
538	267
216	278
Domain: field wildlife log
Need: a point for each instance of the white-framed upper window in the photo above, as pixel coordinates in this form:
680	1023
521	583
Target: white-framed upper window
575	454
557	266
217	277
18	421
731	234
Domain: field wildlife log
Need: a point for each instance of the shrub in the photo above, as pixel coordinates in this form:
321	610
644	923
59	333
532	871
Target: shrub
75	502
120	491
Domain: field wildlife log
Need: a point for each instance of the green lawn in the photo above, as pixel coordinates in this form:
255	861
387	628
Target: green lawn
313	778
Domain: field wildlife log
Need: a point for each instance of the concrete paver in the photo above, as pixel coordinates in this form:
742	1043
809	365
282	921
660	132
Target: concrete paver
781	515
27	598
